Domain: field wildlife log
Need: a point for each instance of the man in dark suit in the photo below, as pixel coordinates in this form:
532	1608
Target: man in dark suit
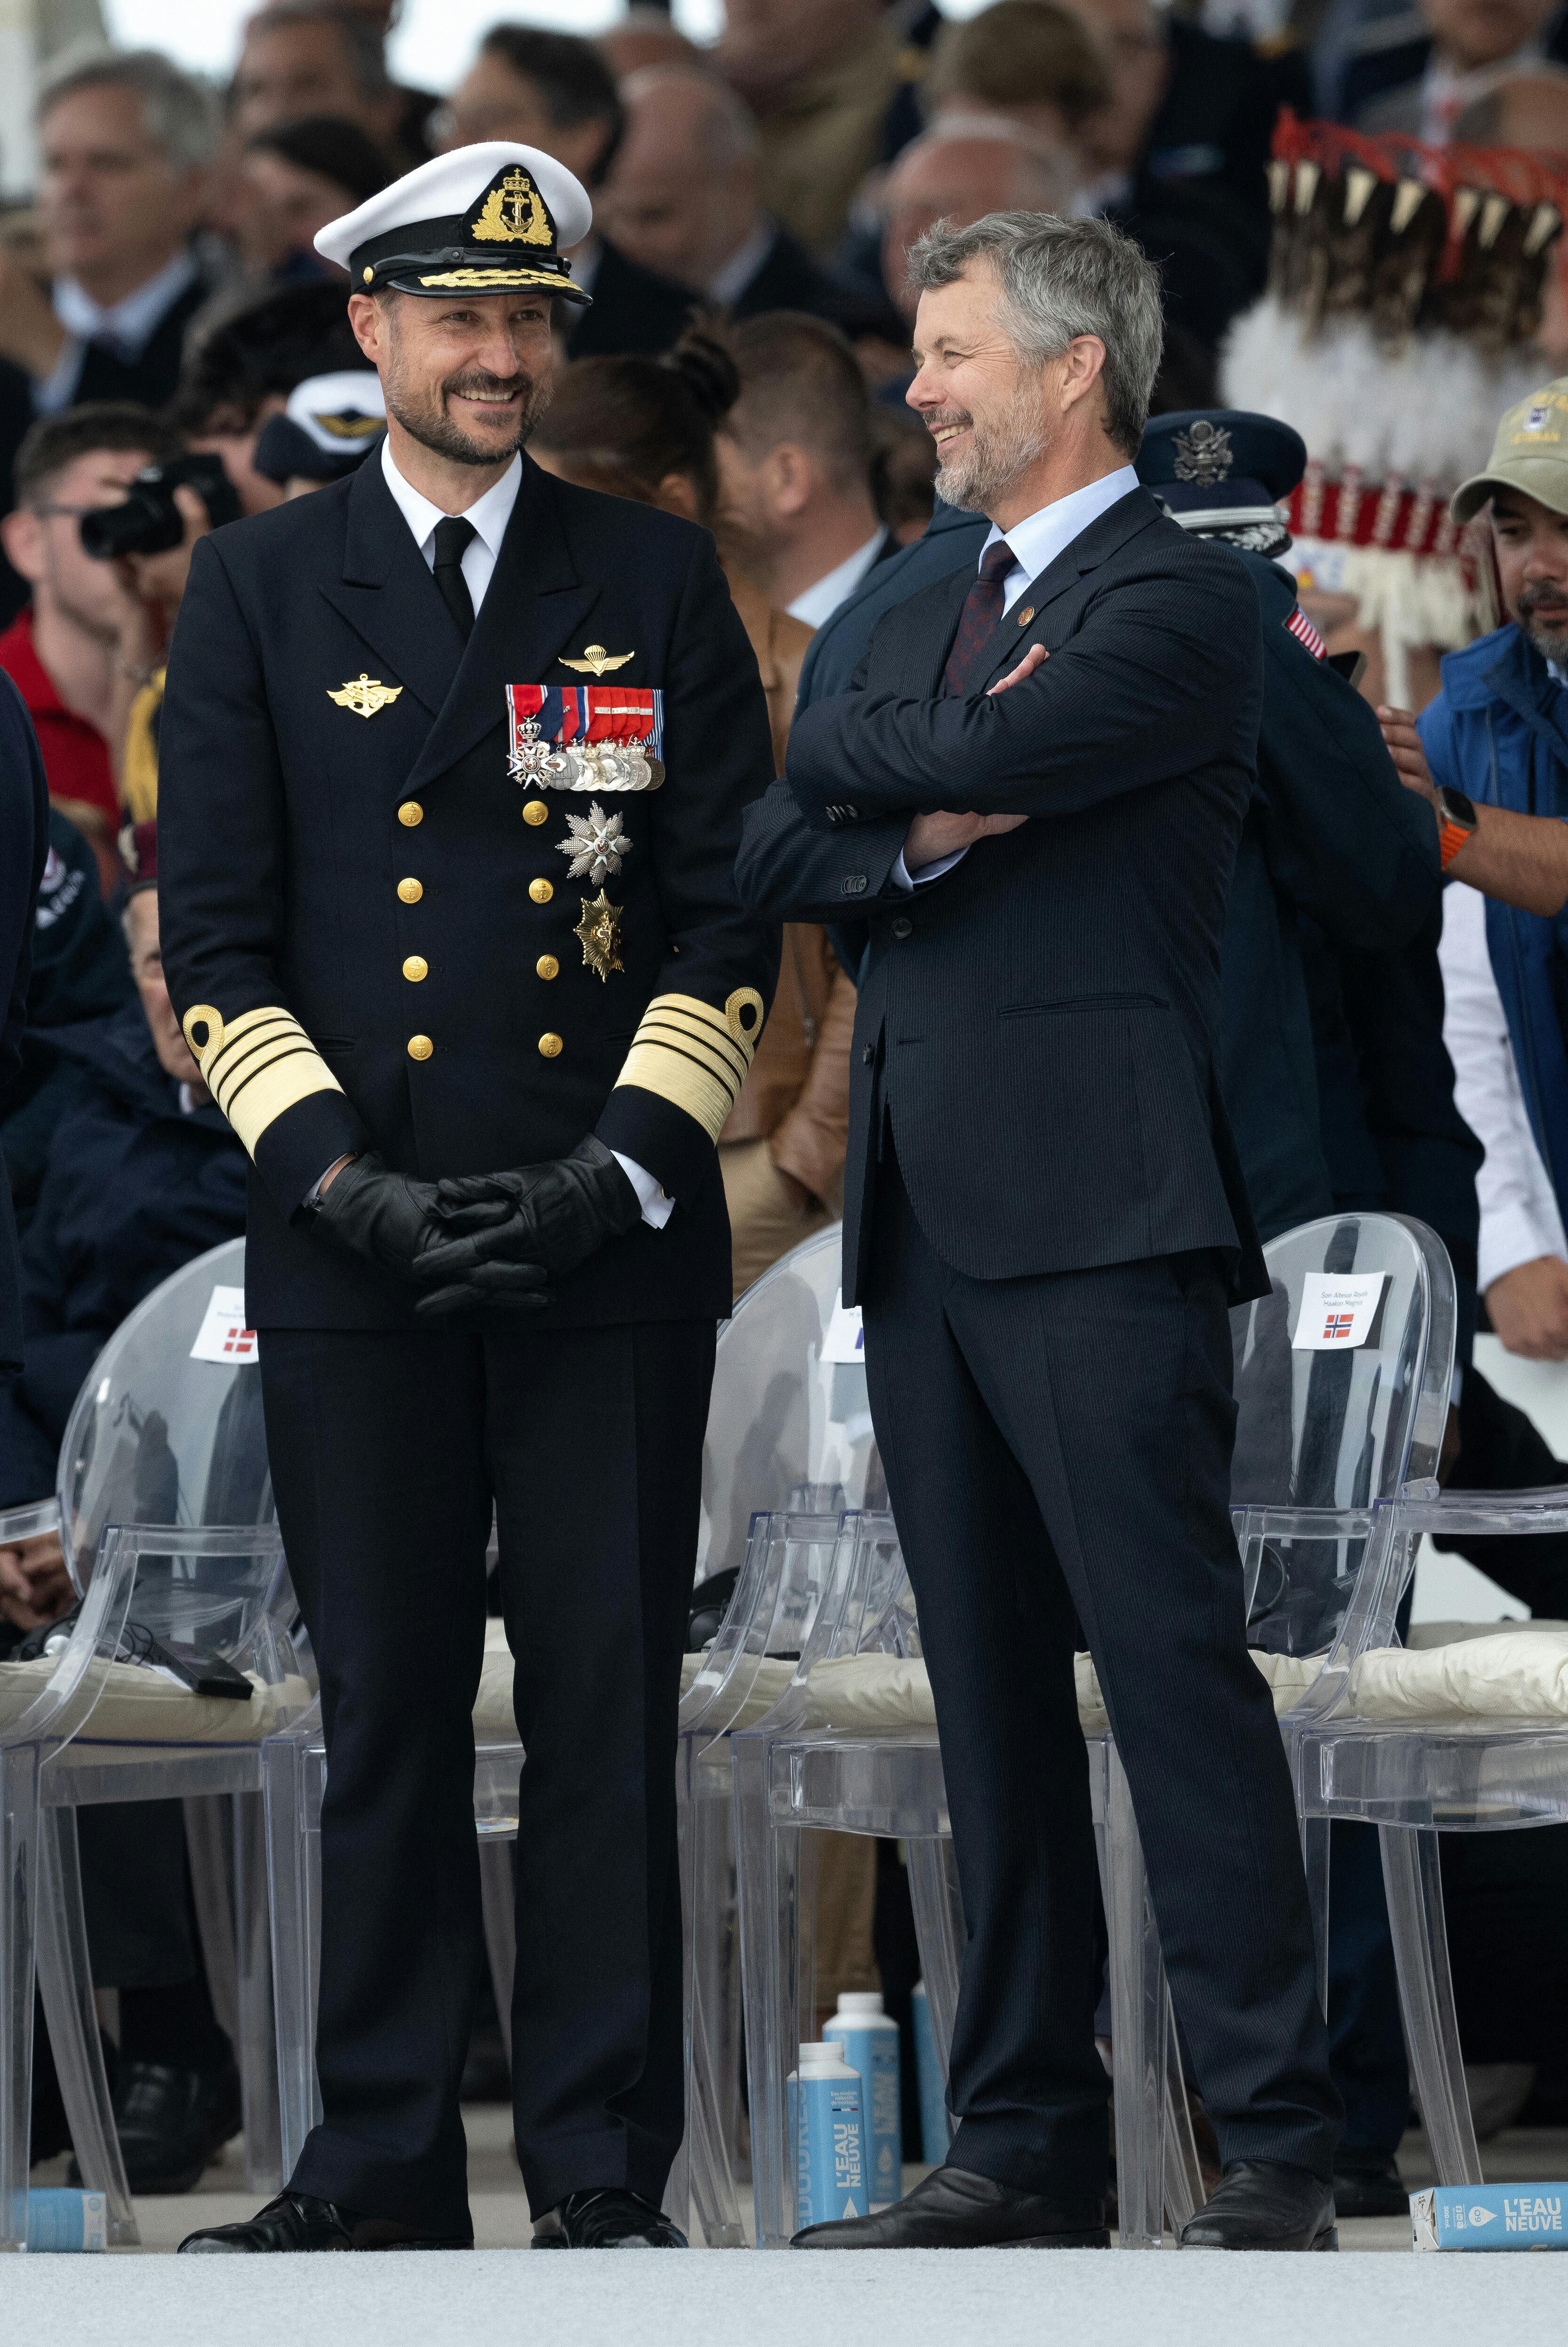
1044	1222
478	1038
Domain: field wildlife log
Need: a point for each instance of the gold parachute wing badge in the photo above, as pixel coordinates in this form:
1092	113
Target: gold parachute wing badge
595	660
364	694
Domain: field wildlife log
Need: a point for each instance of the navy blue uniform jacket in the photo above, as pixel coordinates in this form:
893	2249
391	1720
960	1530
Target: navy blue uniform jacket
367	941
1041	1024
24	845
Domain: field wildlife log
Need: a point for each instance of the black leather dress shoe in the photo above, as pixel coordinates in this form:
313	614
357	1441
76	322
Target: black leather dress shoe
298	2220
172	2124
606	2220
953	2209
1263	2204
1368	2184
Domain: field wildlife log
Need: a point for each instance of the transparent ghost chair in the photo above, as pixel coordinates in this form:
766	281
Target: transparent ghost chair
165	1516
788	1447
1468	1737
1322	1436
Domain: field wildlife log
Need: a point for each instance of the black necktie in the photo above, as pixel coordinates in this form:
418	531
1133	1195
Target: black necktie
452	536
968	660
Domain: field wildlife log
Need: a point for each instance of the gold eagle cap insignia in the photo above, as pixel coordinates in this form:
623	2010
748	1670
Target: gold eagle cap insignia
364	694
595	660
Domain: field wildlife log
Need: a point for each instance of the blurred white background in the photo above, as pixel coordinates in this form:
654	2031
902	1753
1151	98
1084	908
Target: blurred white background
432	43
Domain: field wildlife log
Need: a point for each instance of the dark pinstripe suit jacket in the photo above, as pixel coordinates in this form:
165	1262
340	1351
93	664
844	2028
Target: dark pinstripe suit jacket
1041	1024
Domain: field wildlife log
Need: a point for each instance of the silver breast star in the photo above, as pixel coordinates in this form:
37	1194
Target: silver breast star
596	845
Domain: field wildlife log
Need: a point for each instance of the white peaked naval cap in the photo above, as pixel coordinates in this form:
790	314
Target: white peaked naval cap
491	219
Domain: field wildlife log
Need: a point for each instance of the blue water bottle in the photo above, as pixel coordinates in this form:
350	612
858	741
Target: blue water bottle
870	2043
58	2220
934	2134
827	2123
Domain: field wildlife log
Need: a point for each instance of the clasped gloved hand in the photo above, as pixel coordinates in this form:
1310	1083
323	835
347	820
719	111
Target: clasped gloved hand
509	1231
389	1220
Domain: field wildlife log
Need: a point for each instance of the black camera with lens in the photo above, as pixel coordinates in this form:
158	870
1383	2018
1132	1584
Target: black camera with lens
149	522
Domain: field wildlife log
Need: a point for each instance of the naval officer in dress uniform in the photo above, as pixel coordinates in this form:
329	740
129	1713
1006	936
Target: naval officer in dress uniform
454	760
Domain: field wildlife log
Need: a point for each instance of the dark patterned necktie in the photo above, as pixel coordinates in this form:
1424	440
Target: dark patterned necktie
967	661
452	536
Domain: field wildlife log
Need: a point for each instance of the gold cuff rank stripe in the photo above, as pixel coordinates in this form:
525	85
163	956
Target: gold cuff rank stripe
256	1066
694	1056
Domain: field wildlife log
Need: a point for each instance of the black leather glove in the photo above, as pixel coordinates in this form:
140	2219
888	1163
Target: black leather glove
537	1220
386	1218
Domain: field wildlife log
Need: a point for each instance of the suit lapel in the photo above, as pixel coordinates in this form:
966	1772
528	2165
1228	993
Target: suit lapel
1051	626
388	597
534	605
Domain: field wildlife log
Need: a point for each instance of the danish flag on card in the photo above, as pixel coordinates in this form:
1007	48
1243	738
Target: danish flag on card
223	1335
1338	1311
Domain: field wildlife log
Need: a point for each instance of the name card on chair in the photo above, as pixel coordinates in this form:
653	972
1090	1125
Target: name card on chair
1338	1310
223	1335
845	1338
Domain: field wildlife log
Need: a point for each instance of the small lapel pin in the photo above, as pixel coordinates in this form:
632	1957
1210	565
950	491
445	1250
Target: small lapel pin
1026	615
364	694
595	660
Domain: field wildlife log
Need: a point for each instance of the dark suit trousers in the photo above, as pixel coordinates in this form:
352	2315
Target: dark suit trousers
1058	1451
387	1450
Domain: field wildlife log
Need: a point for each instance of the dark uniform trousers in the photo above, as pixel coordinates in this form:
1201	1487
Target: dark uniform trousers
1058	1451
388	1448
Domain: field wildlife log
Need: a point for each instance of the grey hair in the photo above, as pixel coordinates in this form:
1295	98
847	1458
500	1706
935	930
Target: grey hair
181	113
1059	279
729	133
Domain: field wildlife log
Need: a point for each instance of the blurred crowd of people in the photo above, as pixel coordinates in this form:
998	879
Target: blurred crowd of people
175	354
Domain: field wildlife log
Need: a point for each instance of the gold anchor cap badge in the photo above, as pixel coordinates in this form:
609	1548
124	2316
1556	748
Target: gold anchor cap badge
364	694
595	660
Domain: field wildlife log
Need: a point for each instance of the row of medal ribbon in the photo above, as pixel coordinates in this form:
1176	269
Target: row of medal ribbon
586	737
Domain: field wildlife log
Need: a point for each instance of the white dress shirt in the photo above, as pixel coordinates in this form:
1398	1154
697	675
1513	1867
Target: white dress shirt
126	326
1036	542
730	283
489	515
1520	1219
820	602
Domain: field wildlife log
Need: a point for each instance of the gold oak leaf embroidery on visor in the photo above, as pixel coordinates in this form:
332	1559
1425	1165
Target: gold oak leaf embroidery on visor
695	1056
256	1066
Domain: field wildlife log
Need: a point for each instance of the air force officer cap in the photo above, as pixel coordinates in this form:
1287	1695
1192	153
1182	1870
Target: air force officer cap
490	219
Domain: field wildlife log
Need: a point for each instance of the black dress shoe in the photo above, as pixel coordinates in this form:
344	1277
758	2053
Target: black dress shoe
953	2209
606	2220
1263	2204
298	2220
172	2124
1368	2184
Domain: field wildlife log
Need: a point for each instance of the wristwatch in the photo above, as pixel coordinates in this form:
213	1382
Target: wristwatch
1456	822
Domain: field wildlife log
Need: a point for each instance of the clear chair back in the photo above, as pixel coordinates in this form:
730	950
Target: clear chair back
167	1431
1328	1426
788	1428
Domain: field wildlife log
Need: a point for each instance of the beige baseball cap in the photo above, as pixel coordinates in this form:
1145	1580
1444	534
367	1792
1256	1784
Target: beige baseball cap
1530	453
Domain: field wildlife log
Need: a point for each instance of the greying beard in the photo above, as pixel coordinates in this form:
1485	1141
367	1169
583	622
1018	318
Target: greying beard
997	456
1552	643
435	430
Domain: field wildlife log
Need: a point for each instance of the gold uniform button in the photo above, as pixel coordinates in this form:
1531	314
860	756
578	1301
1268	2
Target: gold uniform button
411	891
550	1047
536	811
546	966
417	967
541	891
411	813
420	1046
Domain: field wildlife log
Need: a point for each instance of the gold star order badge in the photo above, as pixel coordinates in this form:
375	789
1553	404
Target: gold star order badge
364	694
595	660
599	934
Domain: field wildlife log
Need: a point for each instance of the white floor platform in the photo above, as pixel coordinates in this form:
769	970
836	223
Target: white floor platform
917	2300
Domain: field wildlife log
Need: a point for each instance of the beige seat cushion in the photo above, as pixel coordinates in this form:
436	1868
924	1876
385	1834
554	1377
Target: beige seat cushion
141	1706
1518	1672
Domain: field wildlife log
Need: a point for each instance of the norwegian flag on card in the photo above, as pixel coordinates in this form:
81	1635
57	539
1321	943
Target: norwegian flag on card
1338	1327
585	737
1299	626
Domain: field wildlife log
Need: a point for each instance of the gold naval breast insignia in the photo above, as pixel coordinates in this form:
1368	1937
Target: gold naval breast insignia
599	934
364	694
595	660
